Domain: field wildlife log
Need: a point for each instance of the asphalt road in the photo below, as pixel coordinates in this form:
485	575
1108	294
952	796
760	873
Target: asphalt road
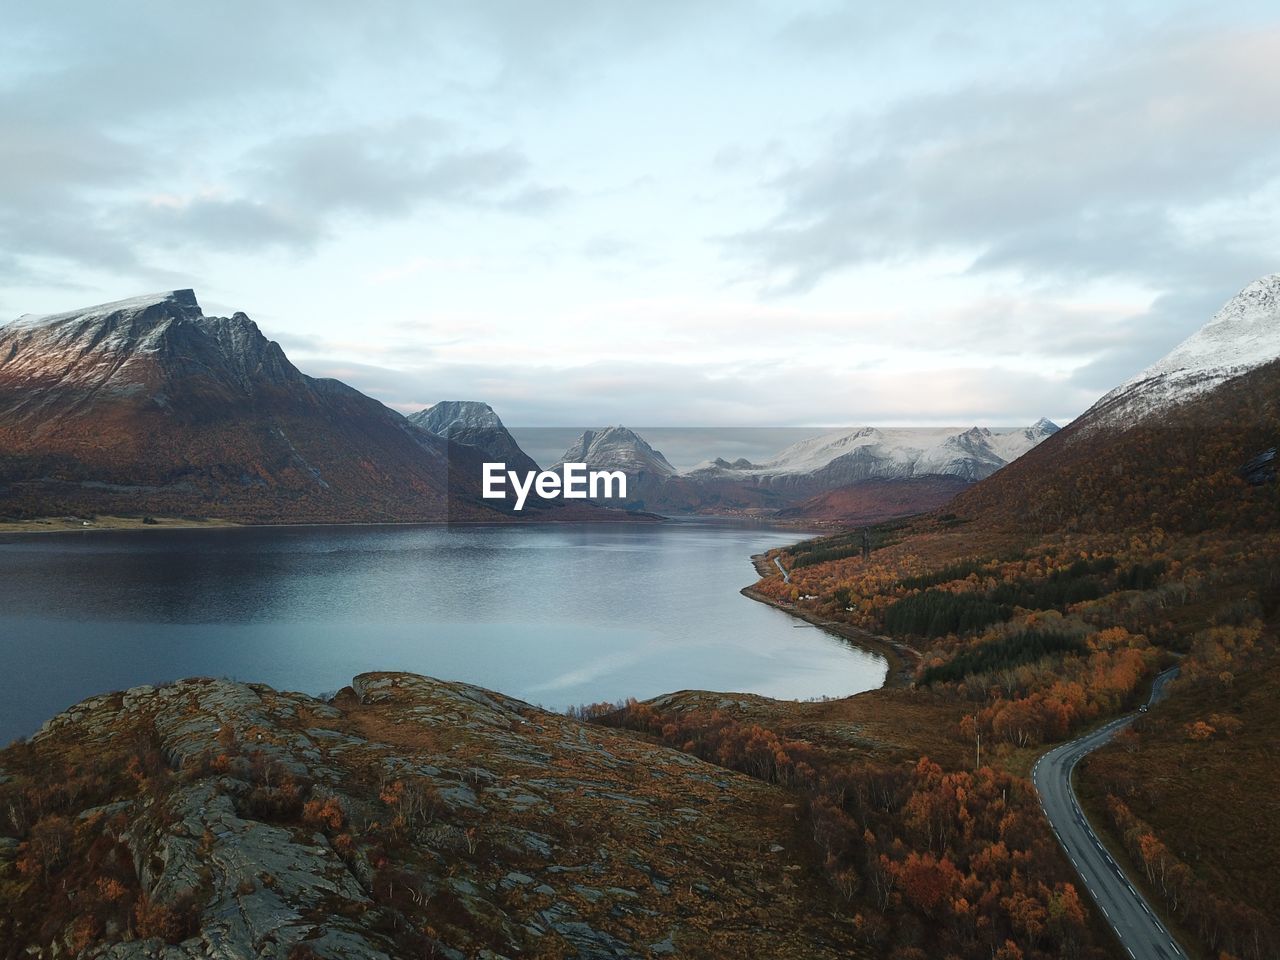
1139	929
786	577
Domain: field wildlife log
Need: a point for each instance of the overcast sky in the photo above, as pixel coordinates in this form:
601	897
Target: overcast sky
669	213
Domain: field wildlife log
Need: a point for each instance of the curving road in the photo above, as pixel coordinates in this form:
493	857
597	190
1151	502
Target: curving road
1140	931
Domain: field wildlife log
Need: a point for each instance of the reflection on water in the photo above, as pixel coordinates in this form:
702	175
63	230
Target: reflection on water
554	614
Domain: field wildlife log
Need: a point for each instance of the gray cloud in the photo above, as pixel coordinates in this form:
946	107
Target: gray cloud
385	170
225	224
107	109
1114	172
293	189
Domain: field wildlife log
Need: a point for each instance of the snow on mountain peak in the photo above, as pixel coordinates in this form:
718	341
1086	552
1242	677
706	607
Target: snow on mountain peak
890	452
127	342
473	423
617	448
181	301
458	415
1243	335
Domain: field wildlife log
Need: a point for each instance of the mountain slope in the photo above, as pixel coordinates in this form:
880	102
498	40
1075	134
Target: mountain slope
1243	335
875	501
147	405
472	423
1183	444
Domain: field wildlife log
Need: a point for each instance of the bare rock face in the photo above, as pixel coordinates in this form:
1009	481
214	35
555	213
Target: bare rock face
407	817
1260	470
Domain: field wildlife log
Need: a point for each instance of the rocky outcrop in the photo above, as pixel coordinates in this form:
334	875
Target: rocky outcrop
1261	469
405	817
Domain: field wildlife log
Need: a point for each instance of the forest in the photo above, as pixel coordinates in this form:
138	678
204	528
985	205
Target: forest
931	862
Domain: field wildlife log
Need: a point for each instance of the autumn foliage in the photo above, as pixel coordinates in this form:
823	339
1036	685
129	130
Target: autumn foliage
951	863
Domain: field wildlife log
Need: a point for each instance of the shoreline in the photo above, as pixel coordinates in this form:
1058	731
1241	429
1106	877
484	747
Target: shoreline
901	657
117	524
113	523
110	523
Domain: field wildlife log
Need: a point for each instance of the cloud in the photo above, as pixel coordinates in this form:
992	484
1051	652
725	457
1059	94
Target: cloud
1119	171
47	175
296	191
386	170
225	223
670	394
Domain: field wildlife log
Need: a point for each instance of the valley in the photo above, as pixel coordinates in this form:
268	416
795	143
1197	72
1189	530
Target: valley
1040	603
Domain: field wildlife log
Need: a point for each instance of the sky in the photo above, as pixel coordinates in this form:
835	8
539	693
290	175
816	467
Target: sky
676	212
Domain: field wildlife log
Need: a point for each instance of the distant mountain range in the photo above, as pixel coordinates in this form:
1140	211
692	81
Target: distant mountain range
856	474
148	406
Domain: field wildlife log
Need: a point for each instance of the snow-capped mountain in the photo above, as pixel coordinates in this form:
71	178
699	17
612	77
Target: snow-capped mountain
869	453
146	405
114	348
474	424
617	448
1243	335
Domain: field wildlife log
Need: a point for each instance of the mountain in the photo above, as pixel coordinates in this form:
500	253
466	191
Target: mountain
617	448
860	475
832	460
148	406
652	483
1186	440
869	474
1243	335
474	424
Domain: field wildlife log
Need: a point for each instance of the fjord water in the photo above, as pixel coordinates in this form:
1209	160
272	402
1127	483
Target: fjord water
553	614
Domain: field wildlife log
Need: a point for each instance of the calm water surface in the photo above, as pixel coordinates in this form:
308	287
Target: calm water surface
554	614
